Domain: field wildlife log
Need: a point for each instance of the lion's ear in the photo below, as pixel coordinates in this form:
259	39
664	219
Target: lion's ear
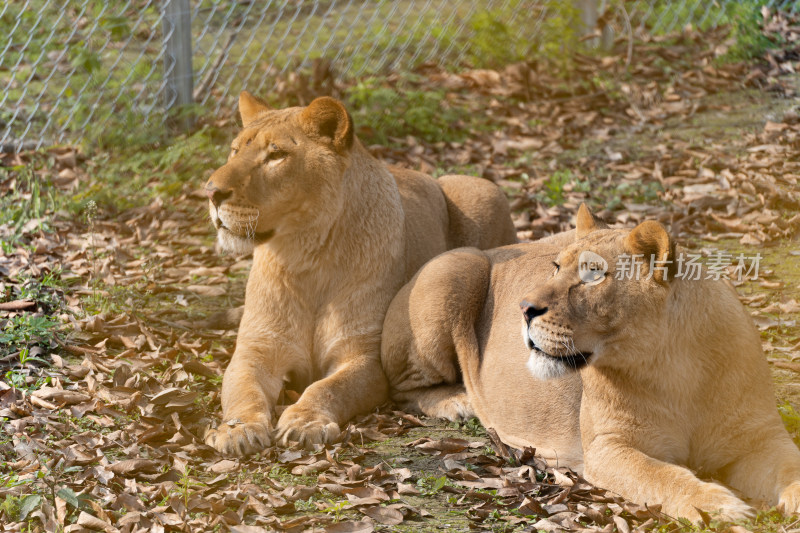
251	107
651	240
327	119
586	222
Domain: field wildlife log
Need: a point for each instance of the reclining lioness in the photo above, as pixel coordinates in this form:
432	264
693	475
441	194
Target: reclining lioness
675	384
334	234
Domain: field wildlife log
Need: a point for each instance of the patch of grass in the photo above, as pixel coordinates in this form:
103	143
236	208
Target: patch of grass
749	40
493	43
609	195
556	39
743	17
378	108
132	176
768	521
791	419
431	485
471	427
283	476
552	192
17	508
28	204
22	332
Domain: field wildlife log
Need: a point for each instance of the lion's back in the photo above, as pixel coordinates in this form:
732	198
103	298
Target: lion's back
451	212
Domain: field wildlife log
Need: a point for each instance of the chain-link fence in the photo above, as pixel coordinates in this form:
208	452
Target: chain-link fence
84	69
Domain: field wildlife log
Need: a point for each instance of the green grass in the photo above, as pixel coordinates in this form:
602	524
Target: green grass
23	331
749	41
603	194
134	175
29	204
110	70
743	17
380	111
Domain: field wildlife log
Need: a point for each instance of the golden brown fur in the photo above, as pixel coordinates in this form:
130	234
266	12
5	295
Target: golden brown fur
334	234
675	386
451	349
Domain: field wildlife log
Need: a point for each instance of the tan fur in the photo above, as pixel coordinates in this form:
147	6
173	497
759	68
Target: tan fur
334	235
451	349
675	388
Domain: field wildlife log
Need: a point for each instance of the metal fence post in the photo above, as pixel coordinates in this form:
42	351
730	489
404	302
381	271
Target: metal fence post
588	18
178	56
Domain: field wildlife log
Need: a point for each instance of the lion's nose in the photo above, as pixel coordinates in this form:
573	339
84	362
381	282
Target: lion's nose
531	311
216	195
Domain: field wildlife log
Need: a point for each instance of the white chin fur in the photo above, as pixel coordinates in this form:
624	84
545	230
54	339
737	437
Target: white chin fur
543	367
234	244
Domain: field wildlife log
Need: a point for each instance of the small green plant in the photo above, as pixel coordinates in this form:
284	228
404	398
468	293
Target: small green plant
336	508
22	332
791	419
552	192
432	485
17	508
309	505
186	484
29	204
471	427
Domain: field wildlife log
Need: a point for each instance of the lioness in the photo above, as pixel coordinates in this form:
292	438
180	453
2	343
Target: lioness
334	234
674	382
451	349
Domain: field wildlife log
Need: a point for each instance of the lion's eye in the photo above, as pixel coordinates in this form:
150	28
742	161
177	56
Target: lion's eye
275	156
556	265
275	153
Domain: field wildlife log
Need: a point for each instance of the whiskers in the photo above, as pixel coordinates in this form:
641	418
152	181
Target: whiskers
243	226
249	227
570	350
240	238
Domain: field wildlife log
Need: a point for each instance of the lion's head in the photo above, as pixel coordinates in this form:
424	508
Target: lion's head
283	174
604	287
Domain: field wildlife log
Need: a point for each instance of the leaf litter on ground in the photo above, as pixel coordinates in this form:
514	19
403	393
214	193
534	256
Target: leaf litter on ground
107	435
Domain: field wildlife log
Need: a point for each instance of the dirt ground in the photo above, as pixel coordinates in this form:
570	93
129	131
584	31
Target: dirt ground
103	425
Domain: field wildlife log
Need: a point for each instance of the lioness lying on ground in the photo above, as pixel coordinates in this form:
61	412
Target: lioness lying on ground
334	234
675	384
451	349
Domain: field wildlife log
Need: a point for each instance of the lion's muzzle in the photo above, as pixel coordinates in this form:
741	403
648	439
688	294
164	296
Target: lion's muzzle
552	348
217	195
531	311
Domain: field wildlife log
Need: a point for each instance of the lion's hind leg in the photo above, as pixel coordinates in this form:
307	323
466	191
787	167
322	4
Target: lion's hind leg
425	322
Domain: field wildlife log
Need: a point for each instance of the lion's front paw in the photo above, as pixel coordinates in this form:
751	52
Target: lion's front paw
235	437
306	426
789	501
715	500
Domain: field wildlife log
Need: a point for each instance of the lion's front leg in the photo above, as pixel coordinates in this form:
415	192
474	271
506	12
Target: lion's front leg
250	389
615	465
353	386
770	472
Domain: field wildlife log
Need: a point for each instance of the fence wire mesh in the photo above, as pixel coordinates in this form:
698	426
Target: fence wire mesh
81	69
